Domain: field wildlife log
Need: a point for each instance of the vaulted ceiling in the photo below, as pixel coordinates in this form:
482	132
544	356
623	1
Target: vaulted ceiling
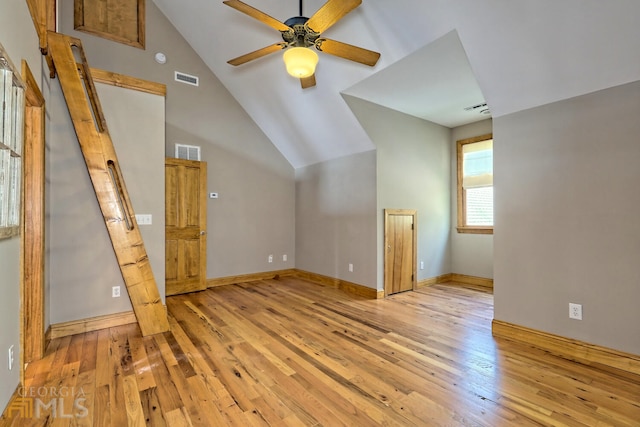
437	57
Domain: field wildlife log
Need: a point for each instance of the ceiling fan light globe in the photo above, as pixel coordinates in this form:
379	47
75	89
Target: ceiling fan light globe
300	61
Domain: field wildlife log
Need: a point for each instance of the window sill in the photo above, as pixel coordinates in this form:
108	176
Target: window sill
475	230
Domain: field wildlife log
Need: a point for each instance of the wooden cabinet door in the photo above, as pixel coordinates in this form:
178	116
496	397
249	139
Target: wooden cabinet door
186	226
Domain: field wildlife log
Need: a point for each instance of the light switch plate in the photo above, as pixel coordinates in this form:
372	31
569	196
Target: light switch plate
144	219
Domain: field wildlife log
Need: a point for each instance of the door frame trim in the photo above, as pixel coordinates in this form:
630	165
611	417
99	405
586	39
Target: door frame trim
32	317
409	212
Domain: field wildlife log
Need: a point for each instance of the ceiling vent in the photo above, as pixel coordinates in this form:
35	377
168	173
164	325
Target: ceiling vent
186	78
479	108
187	152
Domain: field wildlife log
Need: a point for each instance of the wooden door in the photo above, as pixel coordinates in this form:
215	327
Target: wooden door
400	250
186	226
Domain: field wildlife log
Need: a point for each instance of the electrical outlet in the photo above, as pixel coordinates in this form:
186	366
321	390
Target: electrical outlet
115	292
270	259
350	268
284	257
421	265
575	311
10	358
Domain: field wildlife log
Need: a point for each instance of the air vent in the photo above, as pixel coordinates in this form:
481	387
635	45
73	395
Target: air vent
479	108
186	78
187	152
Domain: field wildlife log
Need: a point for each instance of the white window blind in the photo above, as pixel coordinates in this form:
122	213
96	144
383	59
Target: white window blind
477	164
477	182
480	206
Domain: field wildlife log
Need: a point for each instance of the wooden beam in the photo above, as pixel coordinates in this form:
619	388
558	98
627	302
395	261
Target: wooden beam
43	15
39	15
128	82
108	182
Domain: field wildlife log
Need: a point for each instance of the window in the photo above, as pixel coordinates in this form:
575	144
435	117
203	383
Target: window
11	139
475	185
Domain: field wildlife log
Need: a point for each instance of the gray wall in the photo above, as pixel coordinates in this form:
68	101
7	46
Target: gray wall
413	169
255	214
19	39
471	254
336	218
567	202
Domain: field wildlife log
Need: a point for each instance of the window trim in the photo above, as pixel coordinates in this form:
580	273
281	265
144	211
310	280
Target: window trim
462	227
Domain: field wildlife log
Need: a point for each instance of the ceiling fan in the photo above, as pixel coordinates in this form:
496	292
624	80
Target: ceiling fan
299	34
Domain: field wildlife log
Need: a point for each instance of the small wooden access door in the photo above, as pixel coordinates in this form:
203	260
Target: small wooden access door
400	237
186	225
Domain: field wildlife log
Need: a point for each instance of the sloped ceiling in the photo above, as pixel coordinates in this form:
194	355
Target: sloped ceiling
519	54
435	83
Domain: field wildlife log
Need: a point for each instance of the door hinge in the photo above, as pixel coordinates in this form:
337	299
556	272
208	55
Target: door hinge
412	226
412	277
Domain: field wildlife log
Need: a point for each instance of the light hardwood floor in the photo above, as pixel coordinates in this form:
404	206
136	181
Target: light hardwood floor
288	352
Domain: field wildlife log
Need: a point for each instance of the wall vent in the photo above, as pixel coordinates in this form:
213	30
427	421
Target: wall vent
186	78
187	152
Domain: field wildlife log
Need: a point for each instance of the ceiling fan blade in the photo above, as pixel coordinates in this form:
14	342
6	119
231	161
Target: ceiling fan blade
347	51
255	13
307	82
330	13
257	54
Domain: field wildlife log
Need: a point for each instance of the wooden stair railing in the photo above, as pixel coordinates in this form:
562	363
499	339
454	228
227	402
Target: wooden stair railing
100	157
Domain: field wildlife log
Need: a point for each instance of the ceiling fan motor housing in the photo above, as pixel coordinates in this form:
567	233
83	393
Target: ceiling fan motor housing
302	35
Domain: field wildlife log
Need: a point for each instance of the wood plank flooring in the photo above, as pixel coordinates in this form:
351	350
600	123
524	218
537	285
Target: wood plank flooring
291	353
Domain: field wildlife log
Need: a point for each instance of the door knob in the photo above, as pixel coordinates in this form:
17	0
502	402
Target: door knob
202	232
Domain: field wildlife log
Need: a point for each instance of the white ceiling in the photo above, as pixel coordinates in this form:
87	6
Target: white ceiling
519	54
